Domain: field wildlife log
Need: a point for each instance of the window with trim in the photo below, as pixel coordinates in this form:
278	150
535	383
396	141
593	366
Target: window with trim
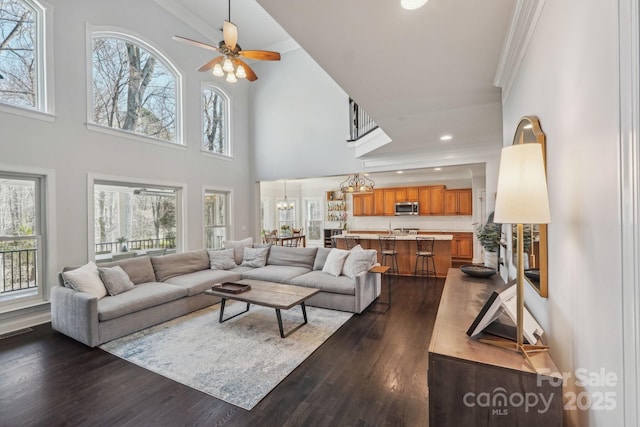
134	219
22	237
215	122
287	217
135	89
21	57
313	209
216	218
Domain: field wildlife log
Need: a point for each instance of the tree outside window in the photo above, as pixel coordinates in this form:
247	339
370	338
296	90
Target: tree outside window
215	121
19	65
133	89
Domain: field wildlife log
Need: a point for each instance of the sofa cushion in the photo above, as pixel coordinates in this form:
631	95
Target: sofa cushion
222	259
167	266
335	261
292	257
238	247
255	257
142	296
326	282
85	279
200	281
321	258
359	260
275	273
115	279
139	269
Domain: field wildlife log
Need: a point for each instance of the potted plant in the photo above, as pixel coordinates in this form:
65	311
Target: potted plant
489	237
123	241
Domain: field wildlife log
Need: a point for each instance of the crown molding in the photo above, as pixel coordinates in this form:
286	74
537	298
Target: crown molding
523	23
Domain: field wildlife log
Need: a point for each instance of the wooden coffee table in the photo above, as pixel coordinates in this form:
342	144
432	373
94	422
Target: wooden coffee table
268	294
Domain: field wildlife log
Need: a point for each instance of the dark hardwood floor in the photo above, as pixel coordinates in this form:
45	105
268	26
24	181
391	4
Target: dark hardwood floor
371	372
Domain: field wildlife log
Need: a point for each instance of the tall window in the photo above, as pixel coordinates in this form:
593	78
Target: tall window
216	218
134	88
287	217
313	212
21	66
21	237
132	218
215	122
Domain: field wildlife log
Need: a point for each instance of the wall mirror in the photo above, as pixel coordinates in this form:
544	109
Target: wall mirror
535	235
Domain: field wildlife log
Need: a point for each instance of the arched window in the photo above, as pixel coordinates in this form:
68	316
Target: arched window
215	121
135	88
21	54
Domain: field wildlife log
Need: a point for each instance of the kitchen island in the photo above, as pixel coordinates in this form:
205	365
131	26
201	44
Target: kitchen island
406	248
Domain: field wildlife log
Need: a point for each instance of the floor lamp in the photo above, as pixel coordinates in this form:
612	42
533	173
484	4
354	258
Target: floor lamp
521	199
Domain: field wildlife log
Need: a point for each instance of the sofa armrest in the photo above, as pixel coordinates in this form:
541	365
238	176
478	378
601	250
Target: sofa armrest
75	314
368	287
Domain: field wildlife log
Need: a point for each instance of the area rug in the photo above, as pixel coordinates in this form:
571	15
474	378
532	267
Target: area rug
239	361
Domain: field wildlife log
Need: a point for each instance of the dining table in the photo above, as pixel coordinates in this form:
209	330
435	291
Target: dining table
281	239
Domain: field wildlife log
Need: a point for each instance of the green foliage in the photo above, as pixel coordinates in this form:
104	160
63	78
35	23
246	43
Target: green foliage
489	236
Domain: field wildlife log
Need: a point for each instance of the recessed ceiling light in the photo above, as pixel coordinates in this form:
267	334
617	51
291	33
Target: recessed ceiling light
412	4
399	172
437	169
446	137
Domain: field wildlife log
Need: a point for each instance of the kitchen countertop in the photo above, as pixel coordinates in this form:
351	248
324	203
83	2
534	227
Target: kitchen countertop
371	236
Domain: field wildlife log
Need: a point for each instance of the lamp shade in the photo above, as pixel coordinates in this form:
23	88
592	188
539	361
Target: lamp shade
522	196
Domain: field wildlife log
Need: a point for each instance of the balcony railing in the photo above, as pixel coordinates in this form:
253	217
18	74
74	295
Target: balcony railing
360	123
18	270
136	245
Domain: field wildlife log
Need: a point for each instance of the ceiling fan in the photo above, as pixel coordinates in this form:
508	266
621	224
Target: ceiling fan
229	62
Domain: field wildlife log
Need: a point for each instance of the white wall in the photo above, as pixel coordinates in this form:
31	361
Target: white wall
569	79
300	121
72	151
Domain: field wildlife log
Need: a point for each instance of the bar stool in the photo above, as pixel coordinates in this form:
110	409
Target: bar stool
351	240
425	254
388	250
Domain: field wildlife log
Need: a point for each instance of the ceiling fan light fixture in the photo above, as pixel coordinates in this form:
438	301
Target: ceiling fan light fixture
231	78
412	4
217	70
227	65
241	73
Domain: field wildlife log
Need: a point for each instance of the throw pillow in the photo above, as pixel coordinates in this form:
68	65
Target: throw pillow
238	247
85	279
222	259
335	261
255	257
115	279
359	260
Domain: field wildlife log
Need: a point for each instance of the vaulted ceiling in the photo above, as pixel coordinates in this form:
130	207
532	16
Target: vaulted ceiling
420	74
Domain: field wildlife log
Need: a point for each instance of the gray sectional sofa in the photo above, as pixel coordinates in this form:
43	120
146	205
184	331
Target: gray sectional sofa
170	286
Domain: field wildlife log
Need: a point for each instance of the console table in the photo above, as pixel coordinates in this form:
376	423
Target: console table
476	384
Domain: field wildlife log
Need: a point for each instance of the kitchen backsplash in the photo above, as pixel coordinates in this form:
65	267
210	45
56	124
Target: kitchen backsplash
430	223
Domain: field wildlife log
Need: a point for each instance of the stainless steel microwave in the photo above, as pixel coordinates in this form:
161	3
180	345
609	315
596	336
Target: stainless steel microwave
406	208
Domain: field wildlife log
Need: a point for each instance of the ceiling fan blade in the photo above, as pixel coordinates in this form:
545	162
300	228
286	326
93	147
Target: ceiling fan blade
195	43
251	76
260	55
209	65
230	34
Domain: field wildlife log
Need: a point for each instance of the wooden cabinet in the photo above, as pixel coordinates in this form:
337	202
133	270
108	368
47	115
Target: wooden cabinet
462	247
406	194
363	205
472	383
458	202
431	200
384	201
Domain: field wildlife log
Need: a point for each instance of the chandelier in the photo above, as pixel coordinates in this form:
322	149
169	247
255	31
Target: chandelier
285	205
357	183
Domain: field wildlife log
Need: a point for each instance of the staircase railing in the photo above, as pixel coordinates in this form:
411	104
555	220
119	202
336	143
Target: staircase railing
360	123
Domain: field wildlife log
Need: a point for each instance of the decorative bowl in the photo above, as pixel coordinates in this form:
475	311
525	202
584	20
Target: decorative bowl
477	270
